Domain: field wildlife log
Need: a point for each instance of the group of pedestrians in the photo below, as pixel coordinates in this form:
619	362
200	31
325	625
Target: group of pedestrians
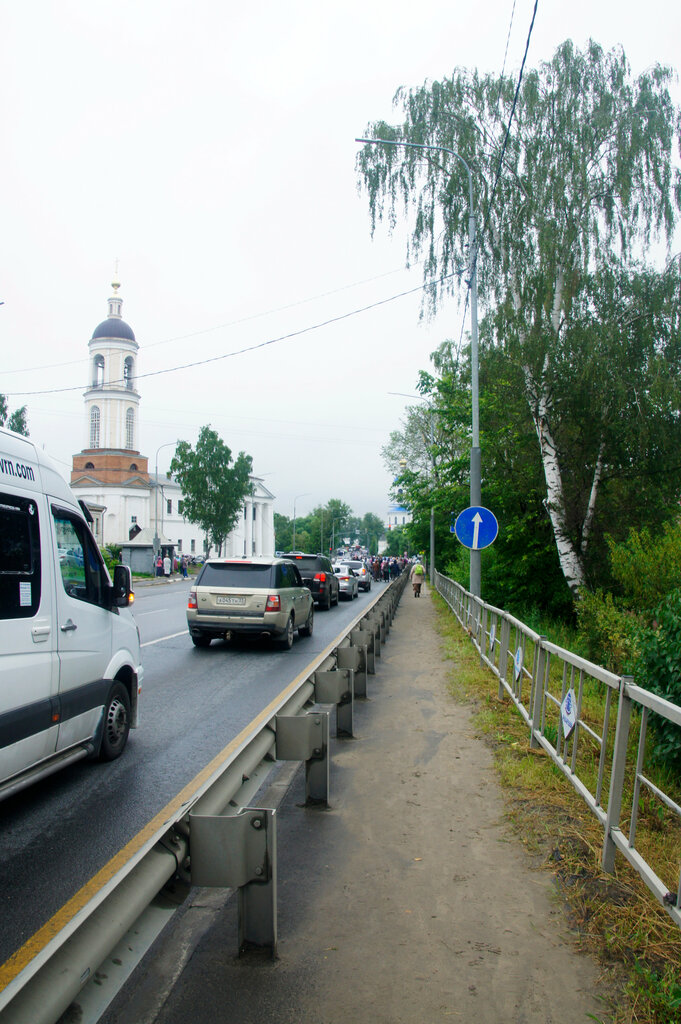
165	566
386	569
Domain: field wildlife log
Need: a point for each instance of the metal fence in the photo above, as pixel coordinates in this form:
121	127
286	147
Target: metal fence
583	717
209	836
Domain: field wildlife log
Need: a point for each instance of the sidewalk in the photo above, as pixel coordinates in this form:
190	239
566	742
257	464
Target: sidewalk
410	901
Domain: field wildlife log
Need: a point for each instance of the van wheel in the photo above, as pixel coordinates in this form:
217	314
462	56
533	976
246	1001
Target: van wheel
116	723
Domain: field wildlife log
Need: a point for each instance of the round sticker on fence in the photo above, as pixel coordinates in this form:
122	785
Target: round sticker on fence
518	662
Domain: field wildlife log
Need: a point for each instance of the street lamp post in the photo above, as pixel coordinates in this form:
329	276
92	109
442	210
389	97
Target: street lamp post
157	539
305	495
475	465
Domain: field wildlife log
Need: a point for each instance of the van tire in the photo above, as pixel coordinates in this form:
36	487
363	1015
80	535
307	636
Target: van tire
116	723
200	639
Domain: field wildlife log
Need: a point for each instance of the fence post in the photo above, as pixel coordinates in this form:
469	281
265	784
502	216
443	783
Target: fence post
503	653
619	762
537	700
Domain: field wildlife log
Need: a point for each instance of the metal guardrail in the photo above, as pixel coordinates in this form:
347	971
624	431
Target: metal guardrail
207	836
537	676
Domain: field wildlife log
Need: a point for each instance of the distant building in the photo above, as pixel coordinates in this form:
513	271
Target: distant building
112	476
397	516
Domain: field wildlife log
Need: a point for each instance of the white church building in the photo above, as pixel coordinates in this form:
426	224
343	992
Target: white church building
130	505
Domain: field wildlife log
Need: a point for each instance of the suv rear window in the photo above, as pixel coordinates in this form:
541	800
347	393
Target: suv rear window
310	563
235	574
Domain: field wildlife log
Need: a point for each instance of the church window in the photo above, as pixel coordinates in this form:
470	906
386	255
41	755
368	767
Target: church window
94	426
193	546
133	519
89	465
180	507
130	428
133	467
128	368
98	372
254	512
169	506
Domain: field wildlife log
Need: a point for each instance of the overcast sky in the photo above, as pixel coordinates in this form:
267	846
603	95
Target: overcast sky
208	146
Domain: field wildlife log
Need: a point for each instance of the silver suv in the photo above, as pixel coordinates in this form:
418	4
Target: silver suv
261	596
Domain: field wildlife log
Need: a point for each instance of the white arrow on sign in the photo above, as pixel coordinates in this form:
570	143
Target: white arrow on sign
477	519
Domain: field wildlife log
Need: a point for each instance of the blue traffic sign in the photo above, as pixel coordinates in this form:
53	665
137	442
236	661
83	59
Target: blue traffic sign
476	527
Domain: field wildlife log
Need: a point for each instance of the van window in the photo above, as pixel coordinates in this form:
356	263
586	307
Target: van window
79	564
20	566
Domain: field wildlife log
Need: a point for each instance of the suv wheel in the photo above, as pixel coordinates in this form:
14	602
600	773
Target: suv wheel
306	630
286	642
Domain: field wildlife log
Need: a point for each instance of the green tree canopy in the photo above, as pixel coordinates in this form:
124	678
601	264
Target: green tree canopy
16	420
213	490
585	182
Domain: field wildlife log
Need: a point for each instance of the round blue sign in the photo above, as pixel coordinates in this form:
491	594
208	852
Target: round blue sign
476	527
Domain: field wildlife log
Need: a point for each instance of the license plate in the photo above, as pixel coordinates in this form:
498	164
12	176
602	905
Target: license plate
227	599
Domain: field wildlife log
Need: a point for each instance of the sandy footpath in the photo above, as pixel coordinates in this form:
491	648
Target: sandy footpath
409	901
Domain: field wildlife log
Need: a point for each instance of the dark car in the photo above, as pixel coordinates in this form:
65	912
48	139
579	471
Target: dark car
317	574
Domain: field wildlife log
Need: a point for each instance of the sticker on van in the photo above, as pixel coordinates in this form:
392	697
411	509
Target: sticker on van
16	469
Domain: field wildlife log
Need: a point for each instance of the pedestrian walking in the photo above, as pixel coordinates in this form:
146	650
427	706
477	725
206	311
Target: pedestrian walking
184	567
167	567
416	578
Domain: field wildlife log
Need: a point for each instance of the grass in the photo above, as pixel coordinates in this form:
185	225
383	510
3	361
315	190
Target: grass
614	918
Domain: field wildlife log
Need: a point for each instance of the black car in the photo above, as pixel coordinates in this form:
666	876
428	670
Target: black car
317	574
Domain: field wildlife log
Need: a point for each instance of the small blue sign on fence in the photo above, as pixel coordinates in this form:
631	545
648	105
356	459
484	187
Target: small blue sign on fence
476	527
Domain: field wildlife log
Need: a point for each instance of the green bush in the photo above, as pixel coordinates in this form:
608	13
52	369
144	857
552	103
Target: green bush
658	668
112	556
609	634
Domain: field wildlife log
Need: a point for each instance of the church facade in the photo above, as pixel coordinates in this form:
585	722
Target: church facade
131	505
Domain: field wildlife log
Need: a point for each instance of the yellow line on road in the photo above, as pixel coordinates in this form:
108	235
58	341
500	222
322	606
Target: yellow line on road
37	943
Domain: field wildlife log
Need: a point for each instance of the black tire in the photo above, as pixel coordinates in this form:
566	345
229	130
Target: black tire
306	630
286	642
337	596
201	640
116	723
356	593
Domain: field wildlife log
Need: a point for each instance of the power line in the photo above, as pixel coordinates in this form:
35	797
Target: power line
230	323
248	348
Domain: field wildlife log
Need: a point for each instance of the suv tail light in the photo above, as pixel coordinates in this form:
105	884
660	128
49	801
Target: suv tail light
321	576
192	602
273	603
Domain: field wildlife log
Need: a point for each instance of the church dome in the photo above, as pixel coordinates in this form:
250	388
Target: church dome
114	327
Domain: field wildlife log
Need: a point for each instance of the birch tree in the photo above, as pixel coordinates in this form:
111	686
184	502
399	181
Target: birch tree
584	183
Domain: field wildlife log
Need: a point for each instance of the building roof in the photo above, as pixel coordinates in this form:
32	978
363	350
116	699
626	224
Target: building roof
114	327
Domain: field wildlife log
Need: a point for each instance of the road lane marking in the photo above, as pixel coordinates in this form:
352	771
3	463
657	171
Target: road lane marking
171	636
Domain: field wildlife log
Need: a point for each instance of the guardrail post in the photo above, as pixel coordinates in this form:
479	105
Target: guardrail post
537	695
239	851
373	623
337	687
364	639
306	738
619	762
354	658
503	653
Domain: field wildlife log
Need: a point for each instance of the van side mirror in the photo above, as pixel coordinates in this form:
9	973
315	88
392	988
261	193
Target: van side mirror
122	586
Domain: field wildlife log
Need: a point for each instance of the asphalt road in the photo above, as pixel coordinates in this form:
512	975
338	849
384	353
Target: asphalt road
60	832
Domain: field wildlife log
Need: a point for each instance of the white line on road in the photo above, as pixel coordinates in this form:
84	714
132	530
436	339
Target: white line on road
160	640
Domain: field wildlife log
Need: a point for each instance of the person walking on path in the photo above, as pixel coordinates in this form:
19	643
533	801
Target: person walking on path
416	578
184	567
166	567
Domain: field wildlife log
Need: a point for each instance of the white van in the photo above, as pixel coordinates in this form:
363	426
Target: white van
70	672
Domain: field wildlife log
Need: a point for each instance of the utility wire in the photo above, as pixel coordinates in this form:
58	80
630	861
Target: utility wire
248	348
231	323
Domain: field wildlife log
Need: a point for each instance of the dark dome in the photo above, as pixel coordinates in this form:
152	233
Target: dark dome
114	328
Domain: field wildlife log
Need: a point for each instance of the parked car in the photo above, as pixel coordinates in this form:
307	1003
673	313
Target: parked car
363	574
317	574
260	596
347	581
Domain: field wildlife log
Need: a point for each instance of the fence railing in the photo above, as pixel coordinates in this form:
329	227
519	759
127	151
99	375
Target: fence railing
210	835
582	716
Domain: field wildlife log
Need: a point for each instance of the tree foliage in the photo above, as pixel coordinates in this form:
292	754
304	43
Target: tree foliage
16	421
213	490
585	182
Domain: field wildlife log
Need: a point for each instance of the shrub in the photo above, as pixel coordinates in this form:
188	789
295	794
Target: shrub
609	634
658	668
